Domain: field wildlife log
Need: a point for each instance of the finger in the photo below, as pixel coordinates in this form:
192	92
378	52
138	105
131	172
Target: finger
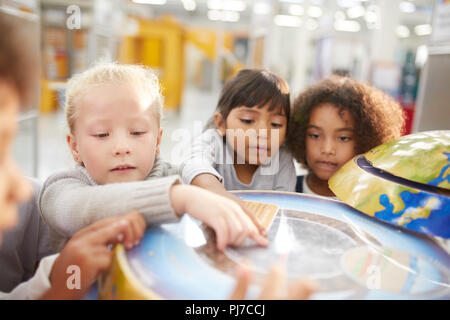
243	279
255	221
141	226
252	231
104	258
97	226
252	216
244	235
247	228
235	226
274	283
103	262
259	239
302	289
99	260
110	234
136	225
129	234
221	230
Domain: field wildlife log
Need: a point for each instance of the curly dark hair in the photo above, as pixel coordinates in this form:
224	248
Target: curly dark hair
378	117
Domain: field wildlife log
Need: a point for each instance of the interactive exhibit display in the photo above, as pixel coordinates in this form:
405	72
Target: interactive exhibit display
379	244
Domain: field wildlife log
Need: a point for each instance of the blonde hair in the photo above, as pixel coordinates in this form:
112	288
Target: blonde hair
140	77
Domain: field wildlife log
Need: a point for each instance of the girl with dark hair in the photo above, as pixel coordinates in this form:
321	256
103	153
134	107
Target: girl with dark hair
333	121
243	148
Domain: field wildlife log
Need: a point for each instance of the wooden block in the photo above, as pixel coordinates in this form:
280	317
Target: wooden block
265	213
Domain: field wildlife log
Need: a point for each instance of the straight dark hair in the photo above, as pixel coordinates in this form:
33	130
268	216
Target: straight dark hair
254	87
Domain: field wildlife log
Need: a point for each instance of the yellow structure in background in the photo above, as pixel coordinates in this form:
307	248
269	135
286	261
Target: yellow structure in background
207	40
159	44
49	94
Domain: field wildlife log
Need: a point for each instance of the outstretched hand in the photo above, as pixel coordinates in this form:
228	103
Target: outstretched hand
274	286
87	254
226	217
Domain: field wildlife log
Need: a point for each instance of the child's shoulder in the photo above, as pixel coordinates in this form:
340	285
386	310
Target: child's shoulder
209	135
163	168
285	154
77	174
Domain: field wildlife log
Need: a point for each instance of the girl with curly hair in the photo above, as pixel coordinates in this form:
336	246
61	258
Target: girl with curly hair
333	121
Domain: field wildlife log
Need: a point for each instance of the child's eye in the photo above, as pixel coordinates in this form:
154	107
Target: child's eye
313	136
102	135
344	139
137	133
277	125
247	121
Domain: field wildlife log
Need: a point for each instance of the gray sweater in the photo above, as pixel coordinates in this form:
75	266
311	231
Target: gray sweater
210	154
71	200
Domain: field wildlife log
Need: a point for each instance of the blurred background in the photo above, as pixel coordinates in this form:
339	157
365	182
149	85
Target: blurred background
399	46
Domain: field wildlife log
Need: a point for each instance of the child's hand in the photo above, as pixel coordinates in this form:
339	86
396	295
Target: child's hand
248	212
226	217
209	182
274	286
135	230
88	251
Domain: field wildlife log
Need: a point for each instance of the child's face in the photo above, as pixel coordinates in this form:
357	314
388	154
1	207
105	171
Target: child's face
254	133
116	135
329	140
13	186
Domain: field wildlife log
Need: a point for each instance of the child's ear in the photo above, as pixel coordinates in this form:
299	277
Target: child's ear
73	148
158	141
219	121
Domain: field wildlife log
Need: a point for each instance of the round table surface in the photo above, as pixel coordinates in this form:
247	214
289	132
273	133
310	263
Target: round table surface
349	254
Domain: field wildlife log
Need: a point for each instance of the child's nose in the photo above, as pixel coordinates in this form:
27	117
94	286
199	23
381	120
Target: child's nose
121	147
263	134
328	147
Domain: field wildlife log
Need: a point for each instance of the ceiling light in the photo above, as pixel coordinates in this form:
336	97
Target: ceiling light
230	16
155	2
356	12
189	5
422	29
229	5
314	12
402	31
407	7
214	15
296	10
214	4
261	8
347	25
347	3
234	5
226	16
372	17
287	21
421	56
